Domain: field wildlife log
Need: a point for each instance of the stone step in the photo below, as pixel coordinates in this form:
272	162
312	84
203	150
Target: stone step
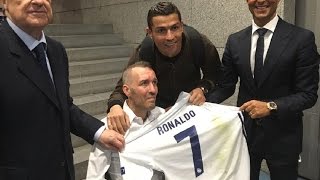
94	67
77	29
74	41
81	156
81	170
99	52
81	153
93	84
93	104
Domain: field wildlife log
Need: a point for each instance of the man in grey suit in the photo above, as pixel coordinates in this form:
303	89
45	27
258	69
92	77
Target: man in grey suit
277	64
37	112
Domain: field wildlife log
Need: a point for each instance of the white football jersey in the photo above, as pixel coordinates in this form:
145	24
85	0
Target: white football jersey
189	142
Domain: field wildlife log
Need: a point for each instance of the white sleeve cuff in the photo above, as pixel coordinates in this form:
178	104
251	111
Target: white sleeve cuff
98	133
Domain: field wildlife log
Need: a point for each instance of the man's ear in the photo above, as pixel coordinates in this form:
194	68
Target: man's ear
126	90
148	32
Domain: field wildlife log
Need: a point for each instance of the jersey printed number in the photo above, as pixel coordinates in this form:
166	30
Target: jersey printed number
195	147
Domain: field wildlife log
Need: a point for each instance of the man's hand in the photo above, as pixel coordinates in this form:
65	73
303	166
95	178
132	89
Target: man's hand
197	97
118	120
256	109
110	139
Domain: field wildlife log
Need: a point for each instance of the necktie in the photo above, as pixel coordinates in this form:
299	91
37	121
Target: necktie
259	55
41	56
42	60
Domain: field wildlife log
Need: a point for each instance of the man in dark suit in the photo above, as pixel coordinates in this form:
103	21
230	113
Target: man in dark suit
37	112
278	74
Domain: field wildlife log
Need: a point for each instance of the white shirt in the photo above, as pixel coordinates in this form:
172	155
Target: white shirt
271	26
102	160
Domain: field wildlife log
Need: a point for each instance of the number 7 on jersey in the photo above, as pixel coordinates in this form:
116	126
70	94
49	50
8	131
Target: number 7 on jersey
195	147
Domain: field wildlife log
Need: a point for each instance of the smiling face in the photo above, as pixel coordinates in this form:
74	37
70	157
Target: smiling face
29	15
166	32
263	11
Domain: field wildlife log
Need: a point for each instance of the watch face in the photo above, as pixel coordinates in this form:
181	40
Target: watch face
204	90
272	106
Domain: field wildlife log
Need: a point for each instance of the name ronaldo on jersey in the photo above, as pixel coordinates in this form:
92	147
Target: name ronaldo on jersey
163	128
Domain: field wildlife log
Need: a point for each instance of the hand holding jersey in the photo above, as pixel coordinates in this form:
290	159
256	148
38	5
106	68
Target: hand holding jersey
197	97
256	109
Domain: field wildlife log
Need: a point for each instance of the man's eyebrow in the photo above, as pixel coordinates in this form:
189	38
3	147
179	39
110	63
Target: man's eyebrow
143	80
161	27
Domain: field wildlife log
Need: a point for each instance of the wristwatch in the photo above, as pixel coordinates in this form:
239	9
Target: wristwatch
204	90
272	106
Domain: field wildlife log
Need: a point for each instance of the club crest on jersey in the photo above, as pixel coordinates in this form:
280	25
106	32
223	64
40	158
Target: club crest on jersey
122	170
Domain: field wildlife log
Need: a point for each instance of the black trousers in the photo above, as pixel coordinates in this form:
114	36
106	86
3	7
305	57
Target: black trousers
282	165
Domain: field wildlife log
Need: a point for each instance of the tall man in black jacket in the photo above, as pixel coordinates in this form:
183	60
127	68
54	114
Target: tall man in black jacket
175	61
277	64
37	113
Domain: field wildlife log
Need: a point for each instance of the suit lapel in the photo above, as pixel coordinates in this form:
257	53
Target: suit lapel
277	45
56	63
28	66
244	55
59	67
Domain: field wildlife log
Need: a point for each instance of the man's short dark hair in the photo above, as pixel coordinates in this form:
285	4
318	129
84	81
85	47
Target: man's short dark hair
142	64
162	9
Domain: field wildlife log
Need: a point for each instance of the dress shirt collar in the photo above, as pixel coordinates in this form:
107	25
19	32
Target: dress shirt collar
271	25
152	115
30	42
